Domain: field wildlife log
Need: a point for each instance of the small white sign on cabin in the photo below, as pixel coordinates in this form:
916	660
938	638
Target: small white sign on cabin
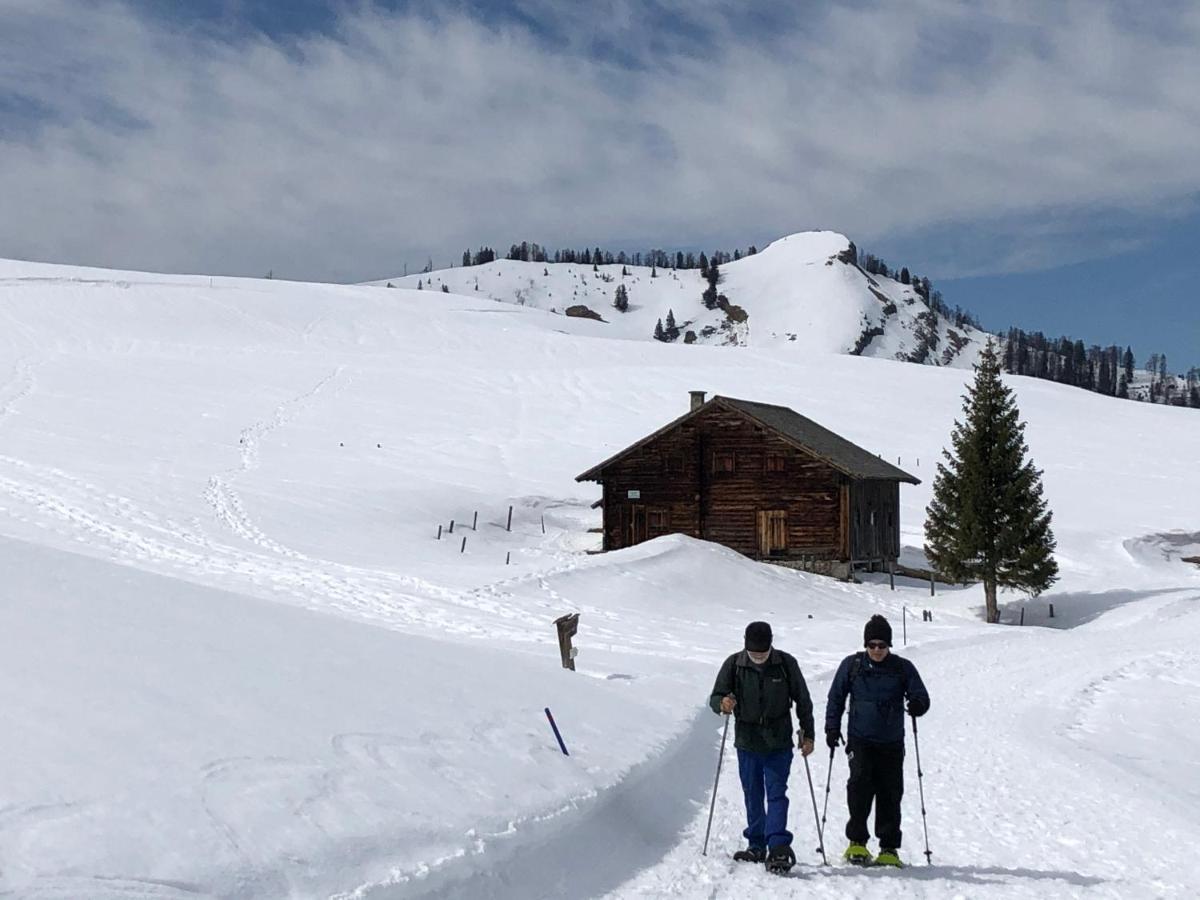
634	495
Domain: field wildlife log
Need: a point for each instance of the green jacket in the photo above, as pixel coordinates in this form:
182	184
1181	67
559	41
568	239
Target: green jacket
764	700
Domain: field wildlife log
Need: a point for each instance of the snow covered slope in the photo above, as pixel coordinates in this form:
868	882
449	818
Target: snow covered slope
803	291
236	661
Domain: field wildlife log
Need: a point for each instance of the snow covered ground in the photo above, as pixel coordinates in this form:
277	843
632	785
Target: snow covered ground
235	661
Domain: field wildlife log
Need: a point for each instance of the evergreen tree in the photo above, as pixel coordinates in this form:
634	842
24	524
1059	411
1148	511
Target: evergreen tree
466	257
658	331
904	277
703	265
1123	387
988	520
671	330
621	302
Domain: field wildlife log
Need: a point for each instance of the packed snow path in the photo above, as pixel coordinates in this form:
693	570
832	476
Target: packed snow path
1058	763
240	664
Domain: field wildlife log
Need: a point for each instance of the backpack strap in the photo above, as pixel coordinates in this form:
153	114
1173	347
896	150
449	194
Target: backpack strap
855	668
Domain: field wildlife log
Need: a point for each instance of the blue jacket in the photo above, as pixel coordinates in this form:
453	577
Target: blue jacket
877	692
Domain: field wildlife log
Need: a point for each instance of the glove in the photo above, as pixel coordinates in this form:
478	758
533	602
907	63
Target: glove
833	737
917	707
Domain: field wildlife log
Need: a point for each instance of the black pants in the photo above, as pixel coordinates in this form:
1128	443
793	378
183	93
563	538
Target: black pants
876	776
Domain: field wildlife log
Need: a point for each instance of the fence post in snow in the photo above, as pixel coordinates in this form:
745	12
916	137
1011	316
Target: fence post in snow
1052	610
439	537
508	527
931	592
892	573
507	557
1022	622
543	523
475	522
451	526
567	626
463	548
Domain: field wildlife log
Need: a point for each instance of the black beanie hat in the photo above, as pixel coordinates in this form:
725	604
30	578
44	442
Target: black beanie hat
877	629
758	637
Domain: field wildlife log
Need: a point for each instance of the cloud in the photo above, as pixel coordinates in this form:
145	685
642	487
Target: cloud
401	135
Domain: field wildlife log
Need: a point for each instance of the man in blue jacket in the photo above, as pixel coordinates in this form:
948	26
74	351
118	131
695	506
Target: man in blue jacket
877	683
758	686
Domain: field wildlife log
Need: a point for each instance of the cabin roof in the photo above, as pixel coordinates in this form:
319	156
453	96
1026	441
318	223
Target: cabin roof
843	455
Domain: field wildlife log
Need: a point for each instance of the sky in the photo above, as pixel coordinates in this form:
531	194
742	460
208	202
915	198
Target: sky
1037	162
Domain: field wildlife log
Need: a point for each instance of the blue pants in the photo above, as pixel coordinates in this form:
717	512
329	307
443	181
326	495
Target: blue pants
765	776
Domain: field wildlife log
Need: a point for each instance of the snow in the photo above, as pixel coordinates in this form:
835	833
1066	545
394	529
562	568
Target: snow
800	298
236	661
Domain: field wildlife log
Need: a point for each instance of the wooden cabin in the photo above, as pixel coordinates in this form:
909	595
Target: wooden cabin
760	479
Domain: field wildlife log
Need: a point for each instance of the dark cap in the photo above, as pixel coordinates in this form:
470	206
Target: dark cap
758	637
877	629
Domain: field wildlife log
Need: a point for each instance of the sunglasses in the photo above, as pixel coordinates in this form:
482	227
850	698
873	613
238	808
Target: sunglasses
876	645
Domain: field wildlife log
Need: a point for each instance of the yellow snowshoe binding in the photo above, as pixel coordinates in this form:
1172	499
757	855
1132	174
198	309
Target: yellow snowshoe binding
889	858
858	855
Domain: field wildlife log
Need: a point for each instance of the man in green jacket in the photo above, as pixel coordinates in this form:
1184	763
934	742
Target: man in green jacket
758	687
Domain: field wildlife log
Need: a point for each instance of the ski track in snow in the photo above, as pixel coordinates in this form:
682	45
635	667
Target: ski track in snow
83	512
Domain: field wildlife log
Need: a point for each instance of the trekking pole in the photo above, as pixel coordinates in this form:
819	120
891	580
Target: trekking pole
813	795
712	806
825	810
921	786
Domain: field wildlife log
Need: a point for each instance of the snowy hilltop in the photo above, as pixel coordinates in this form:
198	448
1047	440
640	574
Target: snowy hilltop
280	563
803	294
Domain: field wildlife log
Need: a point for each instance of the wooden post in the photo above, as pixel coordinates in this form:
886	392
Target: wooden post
904	620
1022	622
1052	610
508	527
463	548
567	626
892	573
439	537
451	526
931	591
507	557
543	523
475	522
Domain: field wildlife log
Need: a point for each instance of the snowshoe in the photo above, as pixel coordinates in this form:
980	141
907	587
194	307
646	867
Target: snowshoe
858	855
751	854
780	859
889	858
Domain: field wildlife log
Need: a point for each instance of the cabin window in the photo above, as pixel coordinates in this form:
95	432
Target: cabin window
660	519
723	462
776	462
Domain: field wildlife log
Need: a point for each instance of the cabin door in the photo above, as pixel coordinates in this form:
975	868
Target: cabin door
772	532
637	524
